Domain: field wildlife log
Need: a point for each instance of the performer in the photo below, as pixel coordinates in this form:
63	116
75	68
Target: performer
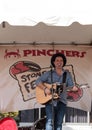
58	61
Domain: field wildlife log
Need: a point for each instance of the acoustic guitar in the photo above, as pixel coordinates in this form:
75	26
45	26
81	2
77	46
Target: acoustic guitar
42	98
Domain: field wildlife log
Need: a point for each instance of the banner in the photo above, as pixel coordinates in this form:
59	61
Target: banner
21	65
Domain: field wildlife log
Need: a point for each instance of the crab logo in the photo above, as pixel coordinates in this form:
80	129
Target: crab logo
12	53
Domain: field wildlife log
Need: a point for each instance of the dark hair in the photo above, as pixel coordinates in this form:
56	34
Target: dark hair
58	55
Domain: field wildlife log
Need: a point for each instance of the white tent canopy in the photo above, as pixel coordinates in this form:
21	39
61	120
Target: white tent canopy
41	33
25	21
51	12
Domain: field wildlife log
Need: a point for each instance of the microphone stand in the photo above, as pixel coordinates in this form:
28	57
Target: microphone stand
52	92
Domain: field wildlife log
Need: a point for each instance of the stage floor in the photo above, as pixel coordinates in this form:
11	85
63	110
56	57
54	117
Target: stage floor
67	126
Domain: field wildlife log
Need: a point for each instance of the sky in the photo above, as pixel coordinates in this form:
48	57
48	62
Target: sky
51	12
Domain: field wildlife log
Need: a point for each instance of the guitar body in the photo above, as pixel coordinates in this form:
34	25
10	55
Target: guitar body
40	95
8	123
71	96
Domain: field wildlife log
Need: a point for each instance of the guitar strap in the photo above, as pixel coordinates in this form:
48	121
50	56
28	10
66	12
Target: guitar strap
64	77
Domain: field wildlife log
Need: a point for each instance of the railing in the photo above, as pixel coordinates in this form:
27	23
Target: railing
72	115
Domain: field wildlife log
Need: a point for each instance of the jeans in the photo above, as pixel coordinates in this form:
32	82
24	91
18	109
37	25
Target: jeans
55	119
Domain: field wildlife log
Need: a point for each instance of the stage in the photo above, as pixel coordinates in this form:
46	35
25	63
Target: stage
66	126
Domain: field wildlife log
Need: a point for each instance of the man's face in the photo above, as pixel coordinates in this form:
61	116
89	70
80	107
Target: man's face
58	62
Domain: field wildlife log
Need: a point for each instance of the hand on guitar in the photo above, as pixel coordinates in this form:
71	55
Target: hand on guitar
47	91
74	89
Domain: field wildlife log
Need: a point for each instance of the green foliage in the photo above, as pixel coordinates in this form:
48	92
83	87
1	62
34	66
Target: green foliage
13	115
9	114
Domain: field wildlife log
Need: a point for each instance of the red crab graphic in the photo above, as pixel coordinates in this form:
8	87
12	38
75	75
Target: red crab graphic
75	96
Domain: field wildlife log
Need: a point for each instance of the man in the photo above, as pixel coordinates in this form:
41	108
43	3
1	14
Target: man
56	108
